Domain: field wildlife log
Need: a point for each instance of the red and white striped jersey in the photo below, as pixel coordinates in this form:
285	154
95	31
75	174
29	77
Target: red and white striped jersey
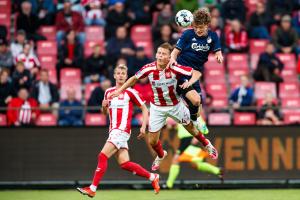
121	108
25	113
163	82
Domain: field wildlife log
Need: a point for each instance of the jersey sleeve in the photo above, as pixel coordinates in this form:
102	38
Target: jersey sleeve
216	42
106	94
182	70
181	43
135	97
143	72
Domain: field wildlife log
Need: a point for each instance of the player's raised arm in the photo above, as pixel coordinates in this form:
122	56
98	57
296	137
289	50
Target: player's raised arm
129	83
173	58
195	77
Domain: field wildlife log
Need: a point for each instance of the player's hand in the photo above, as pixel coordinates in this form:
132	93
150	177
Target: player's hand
171	62
142	133
219	57
185	85
113	95
104	103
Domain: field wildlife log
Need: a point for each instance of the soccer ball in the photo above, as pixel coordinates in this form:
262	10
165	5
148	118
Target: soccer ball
184	18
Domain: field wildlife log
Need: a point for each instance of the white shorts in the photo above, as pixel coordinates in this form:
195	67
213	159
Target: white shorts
119	138
158	115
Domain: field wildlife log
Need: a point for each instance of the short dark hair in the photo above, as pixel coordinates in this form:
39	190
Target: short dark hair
166	45
202	17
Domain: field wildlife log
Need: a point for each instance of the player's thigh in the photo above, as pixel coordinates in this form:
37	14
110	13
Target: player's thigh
180	113
194	97
122	156
109	149
157	118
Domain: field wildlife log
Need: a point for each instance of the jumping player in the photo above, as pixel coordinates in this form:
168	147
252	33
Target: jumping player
188	151
192	49
165	101
120	113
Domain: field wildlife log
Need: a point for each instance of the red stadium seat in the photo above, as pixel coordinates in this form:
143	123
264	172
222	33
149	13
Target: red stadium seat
5	20
214	75
52	76
290	103
141	33
219	103
89	45
94	33
70	75
292	118
148	47
95	119
46	48
65	87
235	74
216	90
5	6
3	121
289	75
289	60
89	88
261	88
241	118
212	63
287	90
237	60
48	61
258	46
219	119
254	58
46	119
49	32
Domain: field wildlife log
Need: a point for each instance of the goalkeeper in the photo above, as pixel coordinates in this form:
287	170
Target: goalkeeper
189	152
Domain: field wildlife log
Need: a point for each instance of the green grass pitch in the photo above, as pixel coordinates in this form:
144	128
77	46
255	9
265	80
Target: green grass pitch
274	194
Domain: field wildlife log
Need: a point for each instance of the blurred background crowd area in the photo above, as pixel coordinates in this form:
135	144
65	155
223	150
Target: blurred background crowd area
57	58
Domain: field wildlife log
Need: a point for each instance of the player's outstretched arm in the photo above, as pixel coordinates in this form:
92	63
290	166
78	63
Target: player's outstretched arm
173	58
129	83
219	56
195	77
144	123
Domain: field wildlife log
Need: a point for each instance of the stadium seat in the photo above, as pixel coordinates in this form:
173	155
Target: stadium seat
48	61
94	33
95	119
141	33
289	60
46	48
257	46
46	119
216	90
64	87
219	103
240	118
287	90
237	60
148	47
3	121
70	75
254	58
219	119
261	88
214	75
89	88
5	20
292	118
49	32
235	74
289	75
88	47
212	63
290	103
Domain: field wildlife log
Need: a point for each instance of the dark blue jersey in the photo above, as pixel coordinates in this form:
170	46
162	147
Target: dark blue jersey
195	49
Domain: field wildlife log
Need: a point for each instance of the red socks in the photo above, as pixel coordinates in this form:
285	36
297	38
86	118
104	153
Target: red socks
135	169
101	168
200	137
158	149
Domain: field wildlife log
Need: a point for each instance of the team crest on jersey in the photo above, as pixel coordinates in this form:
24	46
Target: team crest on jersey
194	39
121	96
209	40
168	74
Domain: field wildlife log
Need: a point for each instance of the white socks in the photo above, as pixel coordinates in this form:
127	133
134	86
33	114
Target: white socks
93	188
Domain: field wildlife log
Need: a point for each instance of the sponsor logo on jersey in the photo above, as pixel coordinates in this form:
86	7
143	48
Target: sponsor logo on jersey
200	47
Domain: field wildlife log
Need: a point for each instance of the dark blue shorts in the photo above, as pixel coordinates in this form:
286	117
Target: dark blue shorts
196	86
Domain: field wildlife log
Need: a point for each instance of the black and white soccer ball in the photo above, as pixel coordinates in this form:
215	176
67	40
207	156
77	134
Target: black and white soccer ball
184	18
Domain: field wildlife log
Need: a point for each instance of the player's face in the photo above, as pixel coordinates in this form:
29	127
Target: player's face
200	30
120	76
162	56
